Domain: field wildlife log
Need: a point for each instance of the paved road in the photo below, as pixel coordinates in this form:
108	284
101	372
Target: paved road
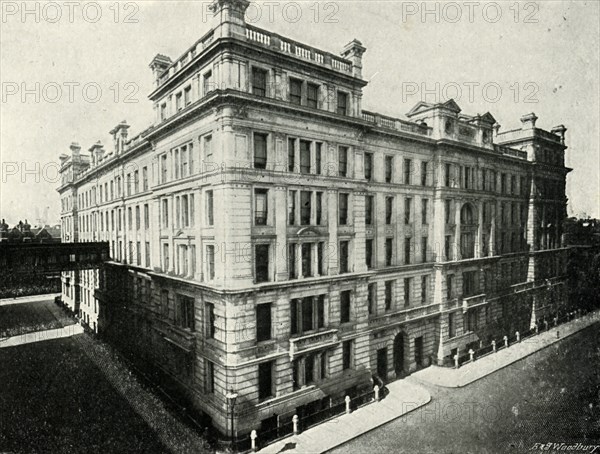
551	396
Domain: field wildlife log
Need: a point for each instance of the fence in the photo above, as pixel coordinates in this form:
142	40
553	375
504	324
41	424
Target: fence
259	439
495	345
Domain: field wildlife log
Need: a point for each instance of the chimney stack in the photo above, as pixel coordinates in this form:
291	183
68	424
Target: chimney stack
560	131
354	51
528	121
228	18
119	134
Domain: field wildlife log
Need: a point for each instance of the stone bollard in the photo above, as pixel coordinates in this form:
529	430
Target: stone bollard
456	361
253	437
480	344
295	424
518	336
505	341
494	346
557	334
347	404
376	389
546	324
471	353
555	320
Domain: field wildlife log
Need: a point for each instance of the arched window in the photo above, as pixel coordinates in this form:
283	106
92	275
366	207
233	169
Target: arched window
466	215
467	232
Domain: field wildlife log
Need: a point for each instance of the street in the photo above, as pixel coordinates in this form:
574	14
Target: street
550	396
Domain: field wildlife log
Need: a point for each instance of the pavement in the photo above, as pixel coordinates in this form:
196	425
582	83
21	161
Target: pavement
28	299
38	336
408	394
403	397
470	372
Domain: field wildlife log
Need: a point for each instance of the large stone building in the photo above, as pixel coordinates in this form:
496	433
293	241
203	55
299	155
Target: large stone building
270	237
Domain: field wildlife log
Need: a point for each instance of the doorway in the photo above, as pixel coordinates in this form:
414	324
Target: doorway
382	363
399	354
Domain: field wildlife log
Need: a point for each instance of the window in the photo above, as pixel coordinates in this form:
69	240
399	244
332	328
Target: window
470	286
306	250
265	380
343	161
319	208
209	379
368	166
184	314
407	290
295	91
163	169
369	253
178	104
307	314
260	151
447	175
369	201
292	261
305	207
424	249
147	253
407	171
371	298
447	211
472	320
263	322
291	154
389	294
424	207
389	208
345	302
137	217
138	255
318	152
389	168
424	169
207	85
187	95
342	103
424	288
163	111
320	256
451	326
407	210
312	95
407	250
344	256
165	257
136	181
304	157
210	262
128	185
347	354
145	178
449	286
207	146
260	206
447	247
343	209
292	207
389	251
261	262
129	219
210	220
209	317
259	82
164	302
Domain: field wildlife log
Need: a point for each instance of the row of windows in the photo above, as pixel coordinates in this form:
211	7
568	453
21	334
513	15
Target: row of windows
466	177
101	193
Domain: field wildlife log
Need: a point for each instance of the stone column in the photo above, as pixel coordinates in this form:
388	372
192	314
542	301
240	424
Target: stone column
280	214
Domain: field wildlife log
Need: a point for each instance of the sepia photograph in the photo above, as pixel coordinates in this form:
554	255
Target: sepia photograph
343	227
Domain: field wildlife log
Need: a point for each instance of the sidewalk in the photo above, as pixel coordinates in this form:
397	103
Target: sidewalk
38	336
403	397
28	299
456	378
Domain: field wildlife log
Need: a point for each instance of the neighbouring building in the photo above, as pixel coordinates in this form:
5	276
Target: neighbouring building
270	237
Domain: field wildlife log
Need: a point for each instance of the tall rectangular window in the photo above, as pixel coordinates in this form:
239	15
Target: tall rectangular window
424	288
209	377
209	320
207	147
260	151
295	91
389	251
424	209
369	253
343	161
145	178
312	95
259	82
291	154
342	103
292	260
407	250
343	209
260	206
407	290
207	85
147	254
210	220
184	312
263	322
368	166
319	208
163	170
306	250
447	212
371	298
304	157
447	247
345	303
210	262
261	262
344	265
187	95
265	380
407	210
305	207
389	209
407	171
449	286
136	181
424	170
389	294
369	202
389	168
137	218
166	257
451	325
347	354
424	249
447	175
318	157
292	207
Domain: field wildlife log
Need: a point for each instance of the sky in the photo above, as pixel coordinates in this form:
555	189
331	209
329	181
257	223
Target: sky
72	71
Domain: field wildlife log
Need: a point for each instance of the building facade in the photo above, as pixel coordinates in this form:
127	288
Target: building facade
272	238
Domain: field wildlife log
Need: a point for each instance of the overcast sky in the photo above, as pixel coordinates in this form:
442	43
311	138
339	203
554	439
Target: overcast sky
542	56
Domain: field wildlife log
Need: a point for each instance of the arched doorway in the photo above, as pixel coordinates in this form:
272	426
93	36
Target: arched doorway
399	354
